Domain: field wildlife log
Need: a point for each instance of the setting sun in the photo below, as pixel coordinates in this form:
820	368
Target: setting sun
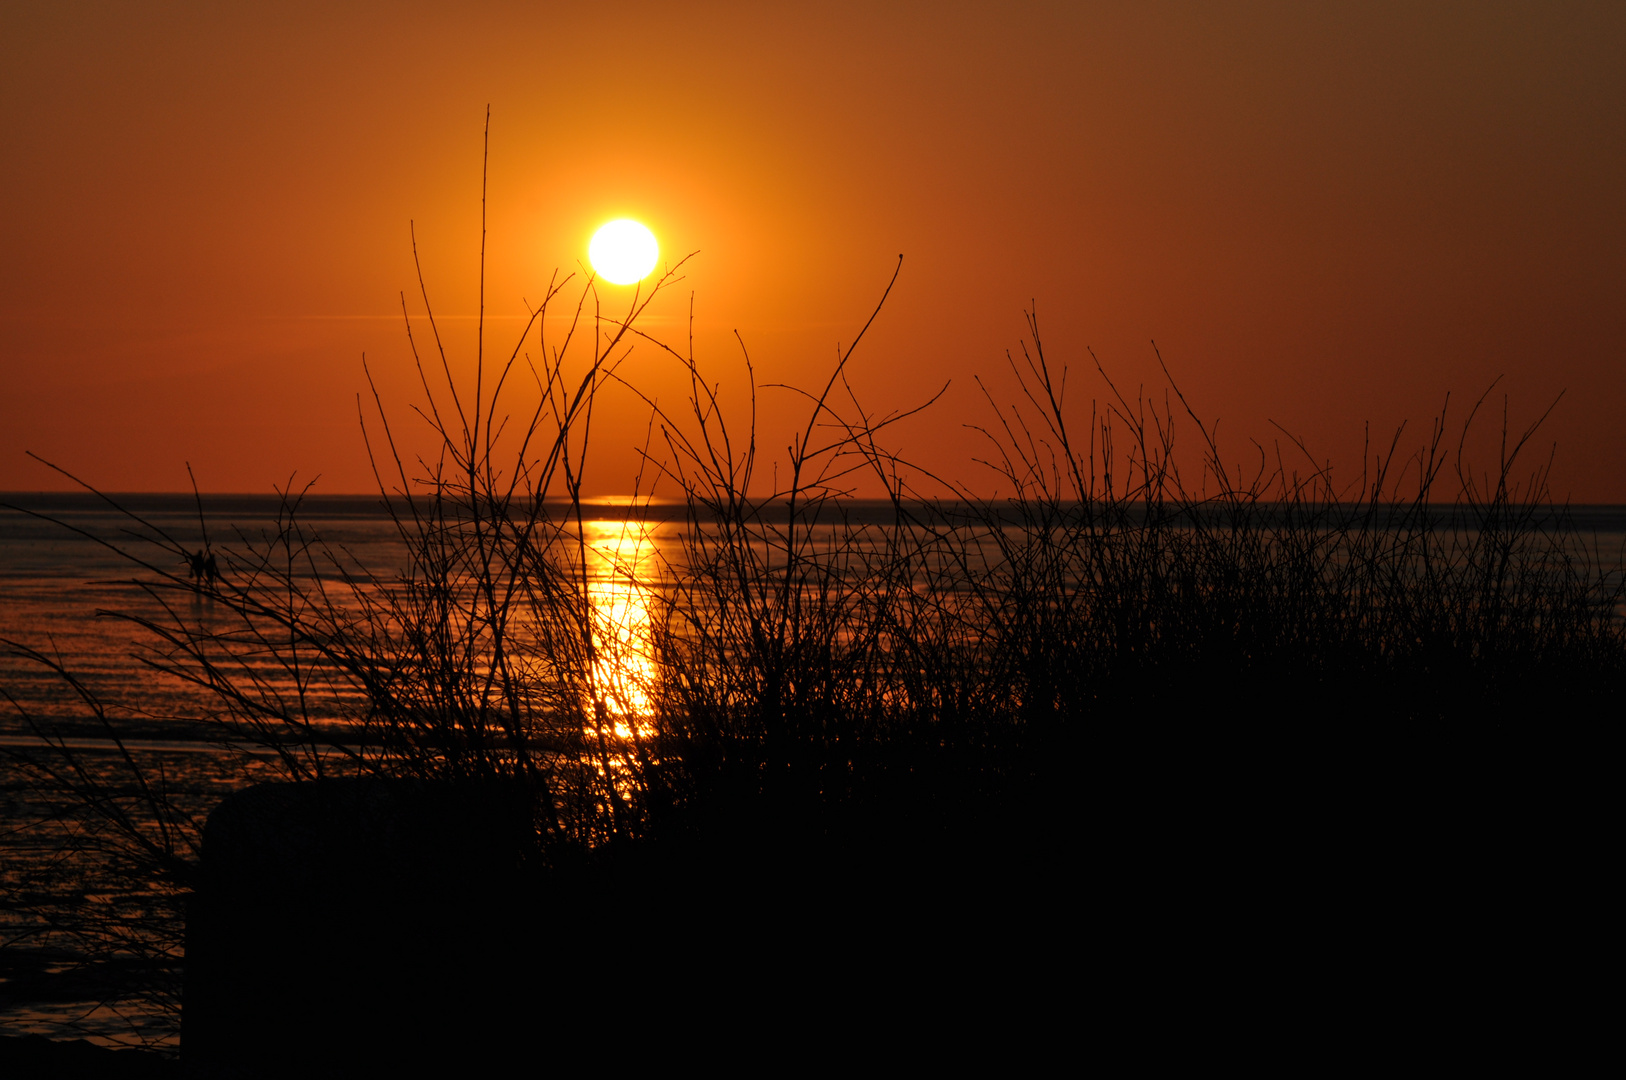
623	252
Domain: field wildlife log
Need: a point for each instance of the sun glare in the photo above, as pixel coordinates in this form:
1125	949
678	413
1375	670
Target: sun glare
623	252
624	674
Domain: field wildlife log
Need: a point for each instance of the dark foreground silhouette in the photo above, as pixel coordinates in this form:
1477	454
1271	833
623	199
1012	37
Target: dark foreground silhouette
370	924
374	924
36	1056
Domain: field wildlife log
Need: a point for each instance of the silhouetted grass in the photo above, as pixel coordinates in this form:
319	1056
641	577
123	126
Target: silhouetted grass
898	674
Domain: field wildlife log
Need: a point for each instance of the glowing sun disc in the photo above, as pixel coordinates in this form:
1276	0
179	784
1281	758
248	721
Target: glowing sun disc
623	252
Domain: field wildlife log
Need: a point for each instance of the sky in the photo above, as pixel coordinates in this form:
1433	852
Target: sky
1330	218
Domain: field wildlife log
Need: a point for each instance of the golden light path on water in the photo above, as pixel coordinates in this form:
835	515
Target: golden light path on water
621	559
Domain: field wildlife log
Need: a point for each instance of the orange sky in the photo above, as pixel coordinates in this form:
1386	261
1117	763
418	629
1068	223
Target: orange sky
1324	214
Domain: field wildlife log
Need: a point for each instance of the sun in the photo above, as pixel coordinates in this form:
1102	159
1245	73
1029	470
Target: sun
623	252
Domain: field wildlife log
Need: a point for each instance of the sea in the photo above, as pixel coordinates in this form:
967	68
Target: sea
85	580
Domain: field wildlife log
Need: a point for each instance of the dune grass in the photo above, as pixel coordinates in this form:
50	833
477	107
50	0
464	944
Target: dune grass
825	668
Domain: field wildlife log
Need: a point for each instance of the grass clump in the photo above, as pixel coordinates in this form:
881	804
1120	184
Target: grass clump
1111	642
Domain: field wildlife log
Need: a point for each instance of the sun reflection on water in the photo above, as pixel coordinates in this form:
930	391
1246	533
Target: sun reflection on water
621	559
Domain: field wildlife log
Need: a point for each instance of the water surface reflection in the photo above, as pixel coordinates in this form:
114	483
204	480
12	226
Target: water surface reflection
622	561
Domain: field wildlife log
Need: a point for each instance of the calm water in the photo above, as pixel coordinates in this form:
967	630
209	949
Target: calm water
60	582
60	579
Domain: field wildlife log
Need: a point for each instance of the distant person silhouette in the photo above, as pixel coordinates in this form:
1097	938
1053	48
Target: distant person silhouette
197	567
211	569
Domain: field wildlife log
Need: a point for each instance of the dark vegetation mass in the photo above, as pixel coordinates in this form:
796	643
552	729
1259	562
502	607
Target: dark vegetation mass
1114	664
